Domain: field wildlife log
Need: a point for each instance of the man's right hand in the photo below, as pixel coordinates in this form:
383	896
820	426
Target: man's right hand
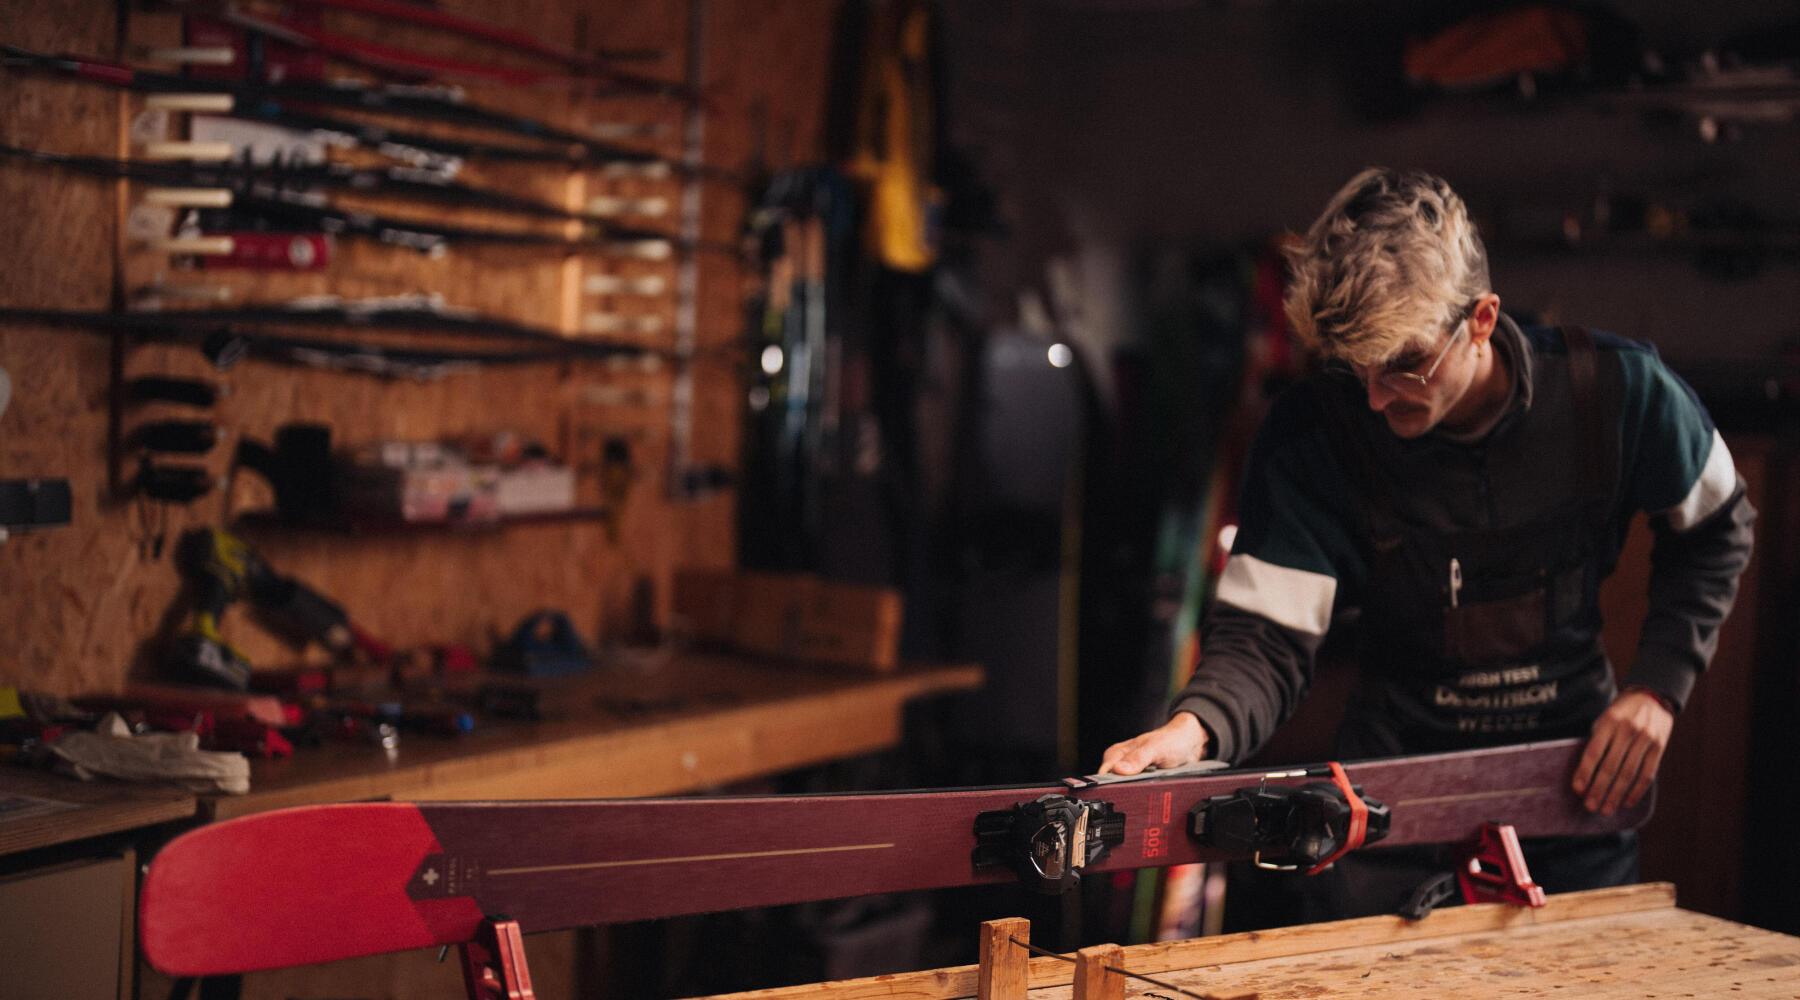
1181	740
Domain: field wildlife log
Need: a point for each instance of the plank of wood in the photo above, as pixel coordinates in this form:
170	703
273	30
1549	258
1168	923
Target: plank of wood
1486	918
1096	973
43	810
1652	953
1286	942
1005	964
709	720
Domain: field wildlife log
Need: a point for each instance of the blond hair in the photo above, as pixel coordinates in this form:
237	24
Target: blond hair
1393	255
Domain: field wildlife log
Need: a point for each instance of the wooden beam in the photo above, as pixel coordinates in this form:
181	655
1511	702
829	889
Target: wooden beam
1005	963
962	981
1096	973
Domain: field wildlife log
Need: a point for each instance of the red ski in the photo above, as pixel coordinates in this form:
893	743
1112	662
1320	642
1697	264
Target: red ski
319	883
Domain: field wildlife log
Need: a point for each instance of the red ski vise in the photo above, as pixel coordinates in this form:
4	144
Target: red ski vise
1492	869
494	962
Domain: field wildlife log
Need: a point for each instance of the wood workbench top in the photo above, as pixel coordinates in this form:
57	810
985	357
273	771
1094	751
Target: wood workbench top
688	723
1605	944
39	809
691	722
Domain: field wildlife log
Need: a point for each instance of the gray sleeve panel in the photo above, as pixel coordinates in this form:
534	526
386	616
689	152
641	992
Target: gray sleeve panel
1252	675
1693	583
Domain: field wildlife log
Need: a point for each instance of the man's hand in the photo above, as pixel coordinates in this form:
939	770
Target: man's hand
1181	740
1623	752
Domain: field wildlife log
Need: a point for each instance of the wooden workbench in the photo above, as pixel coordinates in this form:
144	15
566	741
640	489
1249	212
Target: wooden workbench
1631	942
38	809
692	722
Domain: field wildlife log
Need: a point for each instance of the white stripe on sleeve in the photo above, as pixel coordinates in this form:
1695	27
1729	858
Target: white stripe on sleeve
1294	598
1715	485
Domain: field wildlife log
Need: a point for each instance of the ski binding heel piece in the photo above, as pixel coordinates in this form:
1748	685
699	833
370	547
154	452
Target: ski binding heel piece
1285	827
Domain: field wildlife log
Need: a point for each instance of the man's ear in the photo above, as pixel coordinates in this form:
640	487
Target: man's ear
1484	317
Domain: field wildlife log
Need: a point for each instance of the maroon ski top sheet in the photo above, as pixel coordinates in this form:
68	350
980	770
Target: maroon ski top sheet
319	883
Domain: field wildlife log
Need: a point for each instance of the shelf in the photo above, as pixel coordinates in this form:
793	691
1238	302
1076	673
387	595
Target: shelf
265	521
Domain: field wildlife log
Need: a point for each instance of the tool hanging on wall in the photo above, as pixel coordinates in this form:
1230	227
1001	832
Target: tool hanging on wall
292	210
185	437
166	453
414	64
436	103
288	179
170	483
227	336
505	38
170	389
226	347
268	103
414	313
307	211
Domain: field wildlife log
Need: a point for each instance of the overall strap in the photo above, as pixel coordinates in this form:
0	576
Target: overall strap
1590	444
1354	450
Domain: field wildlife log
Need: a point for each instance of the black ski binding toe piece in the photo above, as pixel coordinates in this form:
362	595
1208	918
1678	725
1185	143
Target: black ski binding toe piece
1048	841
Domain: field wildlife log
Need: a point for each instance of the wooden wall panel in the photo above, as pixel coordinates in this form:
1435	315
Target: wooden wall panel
77	602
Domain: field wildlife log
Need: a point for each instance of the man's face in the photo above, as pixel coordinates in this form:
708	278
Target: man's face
1423	385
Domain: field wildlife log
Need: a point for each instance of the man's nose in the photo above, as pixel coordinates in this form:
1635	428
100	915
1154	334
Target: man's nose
1379	394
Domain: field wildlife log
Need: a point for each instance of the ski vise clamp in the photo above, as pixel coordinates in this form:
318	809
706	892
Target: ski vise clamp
1285	827
1493	869
493	962
1048	841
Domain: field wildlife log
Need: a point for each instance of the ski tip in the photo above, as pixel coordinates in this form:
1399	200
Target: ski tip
294	887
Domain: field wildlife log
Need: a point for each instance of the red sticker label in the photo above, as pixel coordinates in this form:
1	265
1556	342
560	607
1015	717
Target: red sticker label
1154	846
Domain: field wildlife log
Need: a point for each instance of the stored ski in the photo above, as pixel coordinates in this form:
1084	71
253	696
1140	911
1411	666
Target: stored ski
289	106
319	883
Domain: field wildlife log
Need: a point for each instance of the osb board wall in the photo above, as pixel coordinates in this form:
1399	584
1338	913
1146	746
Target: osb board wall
77	603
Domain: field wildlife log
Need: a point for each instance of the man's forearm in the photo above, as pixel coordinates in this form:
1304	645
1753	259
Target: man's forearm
1693	584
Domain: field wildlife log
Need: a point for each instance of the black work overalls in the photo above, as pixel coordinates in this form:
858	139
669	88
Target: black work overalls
1480	613
1480	626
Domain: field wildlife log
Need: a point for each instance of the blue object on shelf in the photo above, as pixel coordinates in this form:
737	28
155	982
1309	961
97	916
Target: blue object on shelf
543	645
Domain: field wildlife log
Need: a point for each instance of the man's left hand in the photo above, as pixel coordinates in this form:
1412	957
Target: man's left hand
1623	752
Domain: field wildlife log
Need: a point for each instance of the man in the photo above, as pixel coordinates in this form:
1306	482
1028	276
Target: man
1458	487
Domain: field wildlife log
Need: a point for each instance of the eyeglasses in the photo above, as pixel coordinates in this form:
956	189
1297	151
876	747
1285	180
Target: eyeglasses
1397	376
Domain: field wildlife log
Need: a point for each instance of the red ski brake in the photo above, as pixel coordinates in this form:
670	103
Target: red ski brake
1493	869
494	962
